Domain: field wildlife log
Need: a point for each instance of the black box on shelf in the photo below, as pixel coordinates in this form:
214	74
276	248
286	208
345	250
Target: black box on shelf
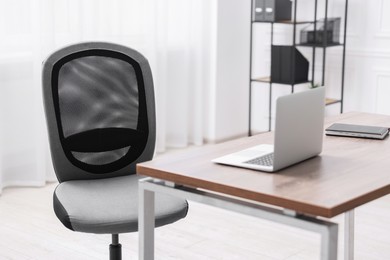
331	36
289	66
307	37
271	10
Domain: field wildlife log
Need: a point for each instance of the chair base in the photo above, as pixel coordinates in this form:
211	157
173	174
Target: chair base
115	252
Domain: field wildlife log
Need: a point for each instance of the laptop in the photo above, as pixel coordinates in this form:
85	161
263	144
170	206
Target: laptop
299	128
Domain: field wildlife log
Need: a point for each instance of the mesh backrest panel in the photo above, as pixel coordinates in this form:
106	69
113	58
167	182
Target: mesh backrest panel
101	109
97	92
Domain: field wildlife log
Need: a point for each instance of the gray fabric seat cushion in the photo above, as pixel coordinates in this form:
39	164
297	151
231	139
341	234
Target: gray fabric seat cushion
110	206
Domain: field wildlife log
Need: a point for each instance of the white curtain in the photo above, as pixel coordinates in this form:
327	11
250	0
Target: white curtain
172	34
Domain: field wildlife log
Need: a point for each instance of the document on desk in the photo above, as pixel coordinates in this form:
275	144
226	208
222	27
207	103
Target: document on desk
361	131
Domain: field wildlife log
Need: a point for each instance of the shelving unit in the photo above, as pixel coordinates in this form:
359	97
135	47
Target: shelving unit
324	46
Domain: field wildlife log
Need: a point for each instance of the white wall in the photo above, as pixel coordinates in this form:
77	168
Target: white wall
228	103
368	78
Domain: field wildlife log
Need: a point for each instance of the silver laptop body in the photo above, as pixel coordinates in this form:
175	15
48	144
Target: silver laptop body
298	135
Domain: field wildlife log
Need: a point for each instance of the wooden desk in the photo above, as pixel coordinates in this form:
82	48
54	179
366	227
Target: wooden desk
348	173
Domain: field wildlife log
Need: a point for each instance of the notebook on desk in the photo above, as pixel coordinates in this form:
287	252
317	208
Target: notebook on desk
299	127
362	131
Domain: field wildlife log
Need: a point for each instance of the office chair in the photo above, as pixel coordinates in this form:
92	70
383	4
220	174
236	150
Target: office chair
100	114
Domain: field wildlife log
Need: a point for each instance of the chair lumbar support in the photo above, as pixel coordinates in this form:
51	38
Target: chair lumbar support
115	248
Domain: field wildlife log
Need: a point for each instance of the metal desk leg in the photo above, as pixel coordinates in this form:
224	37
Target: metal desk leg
349	235
146	223
329	238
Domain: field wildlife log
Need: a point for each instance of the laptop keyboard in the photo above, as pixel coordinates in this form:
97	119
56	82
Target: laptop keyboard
266	160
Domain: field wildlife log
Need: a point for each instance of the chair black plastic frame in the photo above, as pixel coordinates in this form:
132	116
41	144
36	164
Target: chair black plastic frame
142	124
66	166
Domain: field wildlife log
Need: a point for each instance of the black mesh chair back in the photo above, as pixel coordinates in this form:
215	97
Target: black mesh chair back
99	105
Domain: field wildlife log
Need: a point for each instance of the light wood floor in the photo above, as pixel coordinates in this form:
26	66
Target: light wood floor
30	230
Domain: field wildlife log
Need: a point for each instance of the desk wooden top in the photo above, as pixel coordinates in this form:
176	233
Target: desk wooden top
348	173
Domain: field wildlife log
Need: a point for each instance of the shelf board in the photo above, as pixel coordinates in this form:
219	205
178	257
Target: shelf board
268	80
319	45
263	79
328	101
285	22
331	101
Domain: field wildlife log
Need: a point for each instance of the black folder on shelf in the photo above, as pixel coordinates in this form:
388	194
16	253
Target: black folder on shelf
288	65
362	131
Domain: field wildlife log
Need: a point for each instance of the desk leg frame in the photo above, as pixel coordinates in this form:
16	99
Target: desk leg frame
147	187
349	219
146	223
